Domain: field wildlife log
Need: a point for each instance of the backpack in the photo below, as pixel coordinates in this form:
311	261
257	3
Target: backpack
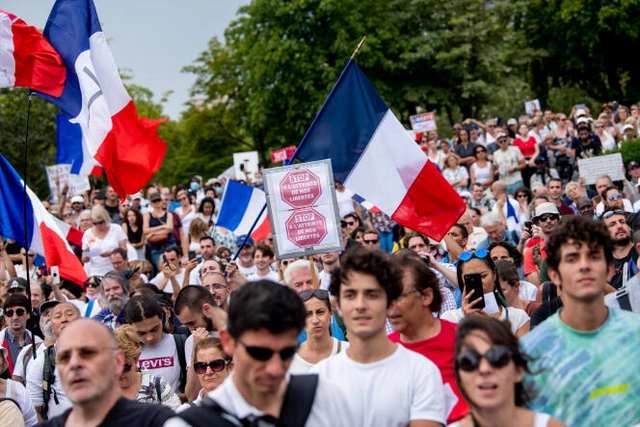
10	412
296	407
180	341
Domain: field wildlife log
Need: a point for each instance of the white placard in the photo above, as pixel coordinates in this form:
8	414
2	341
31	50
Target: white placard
249	161
62	174
303	209
423	122
593	167
532	106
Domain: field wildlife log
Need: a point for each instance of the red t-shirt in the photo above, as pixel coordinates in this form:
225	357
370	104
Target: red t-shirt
439	350
528	147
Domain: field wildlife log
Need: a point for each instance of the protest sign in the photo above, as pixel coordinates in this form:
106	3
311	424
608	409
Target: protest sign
303	210
532	106
423	122
282	154
59	175
593	167
245	164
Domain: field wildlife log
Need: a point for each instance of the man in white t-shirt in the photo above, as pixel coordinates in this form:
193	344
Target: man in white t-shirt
262	258
264	322
387	384
171	274
208	251
245	259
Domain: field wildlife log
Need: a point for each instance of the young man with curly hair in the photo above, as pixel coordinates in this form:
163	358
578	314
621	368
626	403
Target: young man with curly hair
386	383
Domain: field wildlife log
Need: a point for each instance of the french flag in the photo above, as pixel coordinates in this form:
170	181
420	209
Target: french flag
241	204
43	234
373	156
69	148
27	58
126	146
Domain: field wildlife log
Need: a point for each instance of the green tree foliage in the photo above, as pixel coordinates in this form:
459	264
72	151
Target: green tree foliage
588	44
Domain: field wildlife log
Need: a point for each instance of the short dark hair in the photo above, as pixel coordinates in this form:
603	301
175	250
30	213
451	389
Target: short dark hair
193	297
411	235
508	272
462	229
265	304
578	229
513	251
120	251
554	180
606	190
423	277
16	300
374	263
264	249
142	307
499	333
207	237
370	231
173	248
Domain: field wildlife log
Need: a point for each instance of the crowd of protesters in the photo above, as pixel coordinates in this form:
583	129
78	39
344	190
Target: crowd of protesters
510	319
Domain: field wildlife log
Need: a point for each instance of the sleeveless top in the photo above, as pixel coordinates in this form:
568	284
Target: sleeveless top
154	222
135	236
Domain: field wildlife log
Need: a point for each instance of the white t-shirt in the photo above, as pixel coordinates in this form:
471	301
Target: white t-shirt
301	366
99	266
272	275
247	271
188	346
345	202
162	360
394	391
330	405
508	159
528	291
324	279
17	392
517	318
34	386
168	287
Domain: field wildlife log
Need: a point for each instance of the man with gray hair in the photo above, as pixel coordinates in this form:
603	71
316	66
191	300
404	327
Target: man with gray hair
298	276
114	292
495	231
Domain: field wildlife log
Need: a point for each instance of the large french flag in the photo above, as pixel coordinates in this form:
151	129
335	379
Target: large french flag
43	234
241	204
127	147
27	58
373	156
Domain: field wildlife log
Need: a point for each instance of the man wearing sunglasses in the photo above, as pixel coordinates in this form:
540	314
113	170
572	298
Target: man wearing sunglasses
387	384
625	256
547	217
584	359
265	319
15	336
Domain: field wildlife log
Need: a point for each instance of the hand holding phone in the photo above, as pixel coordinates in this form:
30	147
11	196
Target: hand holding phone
473	282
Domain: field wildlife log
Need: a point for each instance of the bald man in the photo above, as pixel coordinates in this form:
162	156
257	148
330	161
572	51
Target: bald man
90	363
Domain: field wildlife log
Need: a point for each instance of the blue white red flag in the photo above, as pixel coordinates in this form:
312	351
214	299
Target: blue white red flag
43	234
241	204
127	147
27	58
512	217
69	148
373	156
366	204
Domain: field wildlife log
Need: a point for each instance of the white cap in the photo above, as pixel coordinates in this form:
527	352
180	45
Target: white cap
77	199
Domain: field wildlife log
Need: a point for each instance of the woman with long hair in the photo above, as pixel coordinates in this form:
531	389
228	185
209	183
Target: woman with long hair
207	211
157	228
455	174
320	344
481	171
186	211
510	284
191	239
132	227
100	240
477	265
136	384
489	368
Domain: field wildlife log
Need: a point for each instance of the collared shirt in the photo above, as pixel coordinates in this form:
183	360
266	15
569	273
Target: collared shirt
14	346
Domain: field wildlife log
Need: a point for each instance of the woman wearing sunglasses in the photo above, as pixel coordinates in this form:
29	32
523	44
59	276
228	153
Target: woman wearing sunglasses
320	344
100	240
489	367
211	364
478	265
138	385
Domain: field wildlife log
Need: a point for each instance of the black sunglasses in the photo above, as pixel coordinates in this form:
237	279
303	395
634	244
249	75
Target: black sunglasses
498	357
263	353
547	217
318	293
215	365
370	242
18	311
127	367
97	222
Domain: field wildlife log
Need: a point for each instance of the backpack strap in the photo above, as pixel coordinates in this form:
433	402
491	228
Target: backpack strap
180	340
298	399
48	378
158	384
209	413
622	296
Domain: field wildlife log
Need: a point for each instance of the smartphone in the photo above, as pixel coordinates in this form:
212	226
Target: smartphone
164	258
527	226
580	107
55	275
474	281
191	255
242	167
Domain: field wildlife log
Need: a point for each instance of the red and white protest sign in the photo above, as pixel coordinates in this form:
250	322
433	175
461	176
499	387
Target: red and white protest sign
423	122
282	154
303	209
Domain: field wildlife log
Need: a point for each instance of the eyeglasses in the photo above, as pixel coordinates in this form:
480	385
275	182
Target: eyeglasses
614	197
520	196
67	215
263	353
467	255
97	222
318	293
370	242
156	200
285	262
18	311
350	222
127	367
182	198
547	217
498	357
481	151
215	365
404	294
609	214
502	140
91	284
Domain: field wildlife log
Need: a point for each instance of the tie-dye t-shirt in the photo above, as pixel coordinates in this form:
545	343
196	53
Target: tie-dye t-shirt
586	378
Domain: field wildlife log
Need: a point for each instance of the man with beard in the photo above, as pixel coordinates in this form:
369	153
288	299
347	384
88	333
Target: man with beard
114	292
45	391
208	251
245	260
217	285
197	310
625	256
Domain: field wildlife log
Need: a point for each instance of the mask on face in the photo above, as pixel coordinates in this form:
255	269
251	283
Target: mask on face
218	189
194	186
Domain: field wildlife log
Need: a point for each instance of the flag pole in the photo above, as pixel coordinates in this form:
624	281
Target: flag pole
24	220
304	138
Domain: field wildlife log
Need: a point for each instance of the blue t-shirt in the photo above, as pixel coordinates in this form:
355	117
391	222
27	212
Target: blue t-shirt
586	378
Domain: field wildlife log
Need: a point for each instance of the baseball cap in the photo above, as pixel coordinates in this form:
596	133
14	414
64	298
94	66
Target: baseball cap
48	304
580	112
249	241
545	208
627	127
632	164
77	199
154	197
138	196
17	283
512	121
